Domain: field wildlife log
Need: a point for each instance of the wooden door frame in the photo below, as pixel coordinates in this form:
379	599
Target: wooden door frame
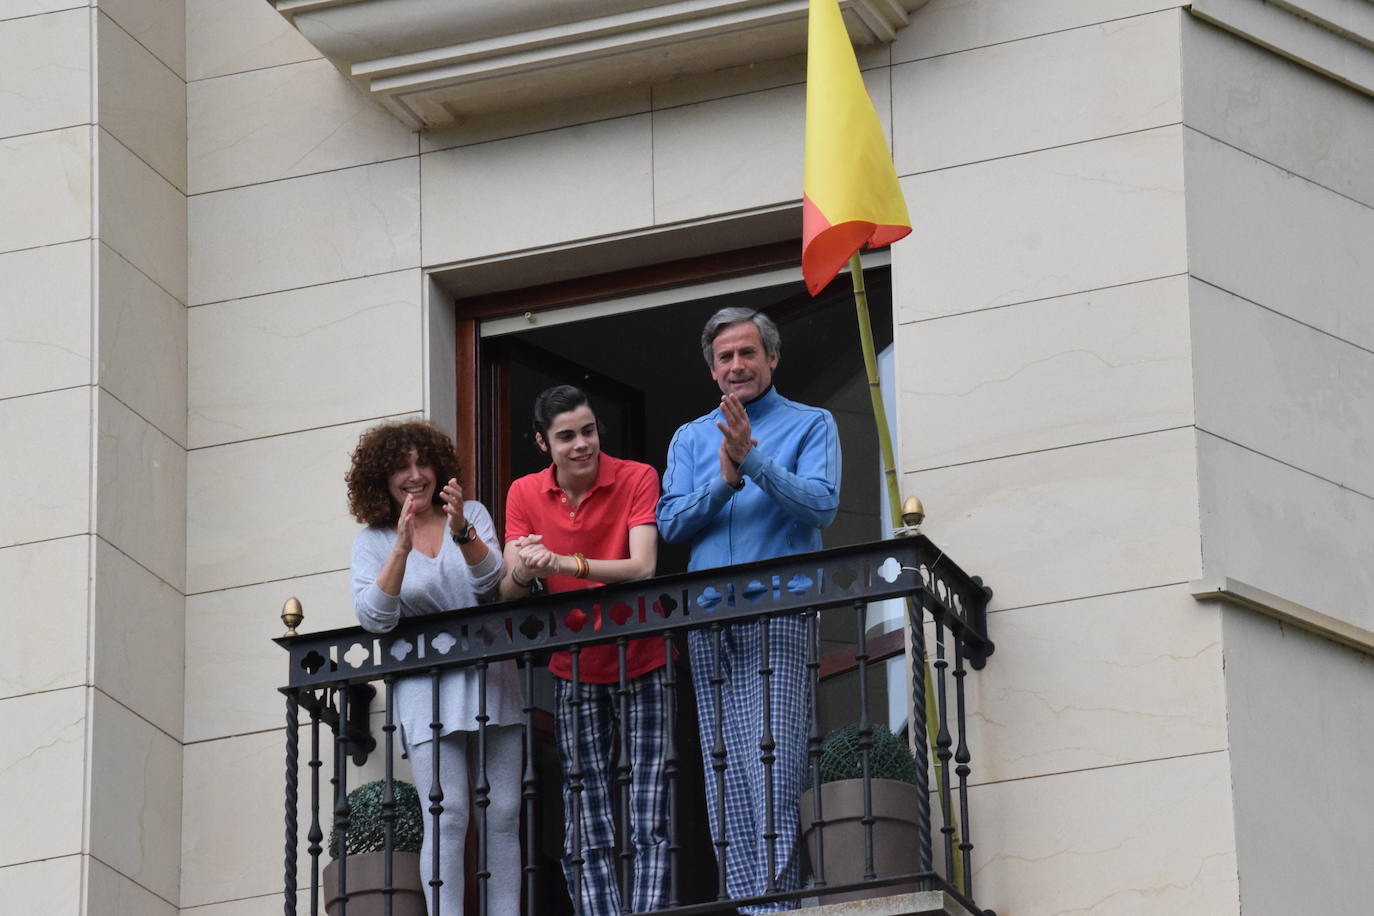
471	311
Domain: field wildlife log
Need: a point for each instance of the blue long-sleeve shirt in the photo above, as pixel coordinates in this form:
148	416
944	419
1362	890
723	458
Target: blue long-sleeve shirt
792	487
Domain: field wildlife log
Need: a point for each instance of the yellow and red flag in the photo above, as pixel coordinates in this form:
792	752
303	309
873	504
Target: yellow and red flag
850	195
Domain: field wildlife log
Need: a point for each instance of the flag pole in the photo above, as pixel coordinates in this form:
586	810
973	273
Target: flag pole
894	503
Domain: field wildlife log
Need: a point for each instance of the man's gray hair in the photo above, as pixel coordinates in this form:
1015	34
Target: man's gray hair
768	331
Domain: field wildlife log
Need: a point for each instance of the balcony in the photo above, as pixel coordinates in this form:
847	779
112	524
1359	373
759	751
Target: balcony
334	677
434	63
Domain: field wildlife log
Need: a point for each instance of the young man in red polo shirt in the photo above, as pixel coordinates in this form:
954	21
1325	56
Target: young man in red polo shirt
586	520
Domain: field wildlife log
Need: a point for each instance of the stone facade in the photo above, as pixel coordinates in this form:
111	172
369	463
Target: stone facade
1135	350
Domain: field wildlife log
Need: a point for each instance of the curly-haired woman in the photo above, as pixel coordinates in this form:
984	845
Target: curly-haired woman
425	549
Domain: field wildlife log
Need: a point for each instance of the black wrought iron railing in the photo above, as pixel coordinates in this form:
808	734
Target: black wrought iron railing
333	677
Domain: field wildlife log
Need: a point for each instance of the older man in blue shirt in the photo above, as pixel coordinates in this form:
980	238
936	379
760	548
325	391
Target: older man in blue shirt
758	477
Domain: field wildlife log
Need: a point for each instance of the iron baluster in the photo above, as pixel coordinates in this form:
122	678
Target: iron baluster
436	792
670	766
961	769
915	622
481	791
767	757
622	775
575	786
865	734
389	799
316	833
292	801
529	788
342	813
943	743
718	761
813	747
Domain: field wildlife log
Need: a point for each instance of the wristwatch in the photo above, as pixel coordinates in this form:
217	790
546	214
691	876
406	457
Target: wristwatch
466	537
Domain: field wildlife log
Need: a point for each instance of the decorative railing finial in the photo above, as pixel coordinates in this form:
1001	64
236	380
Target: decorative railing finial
292	614
913	513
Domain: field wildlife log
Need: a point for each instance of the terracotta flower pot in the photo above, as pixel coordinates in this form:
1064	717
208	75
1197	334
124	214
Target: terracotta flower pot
365	897
842	837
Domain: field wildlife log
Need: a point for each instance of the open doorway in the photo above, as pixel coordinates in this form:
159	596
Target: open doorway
644	373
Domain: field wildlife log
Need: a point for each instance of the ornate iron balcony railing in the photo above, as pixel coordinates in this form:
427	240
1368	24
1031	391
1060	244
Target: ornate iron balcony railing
331	673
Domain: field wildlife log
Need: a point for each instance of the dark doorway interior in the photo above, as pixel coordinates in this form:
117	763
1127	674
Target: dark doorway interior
645	374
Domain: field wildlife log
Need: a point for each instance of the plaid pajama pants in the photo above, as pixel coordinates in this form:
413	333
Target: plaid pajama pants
592	733
745	816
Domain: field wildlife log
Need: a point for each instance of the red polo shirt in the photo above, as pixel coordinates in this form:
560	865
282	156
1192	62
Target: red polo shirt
622	498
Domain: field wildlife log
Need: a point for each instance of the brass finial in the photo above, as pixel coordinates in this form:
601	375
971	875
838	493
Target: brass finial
913	513
292	615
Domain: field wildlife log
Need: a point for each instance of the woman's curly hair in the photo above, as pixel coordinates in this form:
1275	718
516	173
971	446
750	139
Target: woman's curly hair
381	451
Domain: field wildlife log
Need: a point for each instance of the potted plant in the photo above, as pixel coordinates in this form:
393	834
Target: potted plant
892	774
367	858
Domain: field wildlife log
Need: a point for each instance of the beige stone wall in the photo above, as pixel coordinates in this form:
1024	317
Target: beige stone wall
214	257
92	403
1047	412
1279	167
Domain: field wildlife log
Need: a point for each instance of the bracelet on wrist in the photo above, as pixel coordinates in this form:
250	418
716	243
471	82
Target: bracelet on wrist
583	567
516	579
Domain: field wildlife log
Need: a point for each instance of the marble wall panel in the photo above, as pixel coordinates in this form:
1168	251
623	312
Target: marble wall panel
47	886
108	893
555	186
45	454
142	345
285	121
44	627
47	72
141	491
1061	88
1278	111
305	358
1043	224
1299	828
158	25
305	231
1071	522
1283	389
45	326
269	509
1098	682
945	26
1151	837
135	800
729	154
43	759
1285	531
738	152
1043	374
141	102
232	36
1273	238
232	671
16	9
46	196
232	817
142	216
139	645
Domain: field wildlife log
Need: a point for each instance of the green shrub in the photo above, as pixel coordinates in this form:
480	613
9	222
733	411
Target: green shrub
367	830
888	758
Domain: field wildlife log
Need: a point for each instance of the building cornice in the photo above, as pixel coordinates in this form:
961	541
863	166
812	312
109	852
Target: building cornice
436	62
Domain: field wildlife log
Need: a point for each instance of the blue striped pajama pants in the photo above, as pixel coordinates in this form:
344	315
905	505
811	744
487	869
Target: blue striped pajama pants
592	733
746	855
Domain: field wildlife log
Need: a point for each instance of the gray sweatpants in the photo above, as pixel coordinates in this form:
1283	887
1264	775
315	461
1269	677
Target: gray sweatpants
456	773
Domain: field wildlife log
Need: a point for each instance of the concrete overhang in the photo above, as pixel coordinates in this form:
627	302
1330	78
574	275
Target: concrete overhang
434	63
